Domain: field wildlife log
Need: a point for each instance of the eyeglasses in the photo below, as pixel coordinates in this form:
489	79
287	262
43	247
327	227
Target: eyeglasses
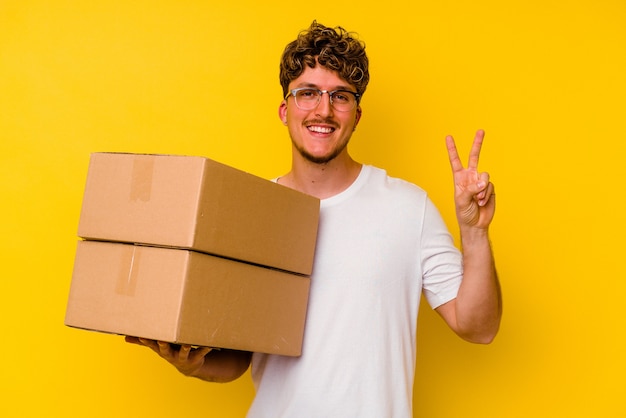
308	98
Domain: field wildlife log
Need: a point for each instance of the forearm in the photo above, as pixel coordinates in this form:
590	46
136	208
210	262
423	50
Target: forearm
479	301
223	366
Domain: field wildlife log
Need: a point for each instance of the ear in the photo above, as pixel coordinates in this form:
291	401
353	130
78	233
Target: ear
357	117
282	112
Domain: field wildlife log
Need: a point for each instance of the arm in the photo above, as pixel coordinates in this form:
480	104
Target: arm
476	312
203	363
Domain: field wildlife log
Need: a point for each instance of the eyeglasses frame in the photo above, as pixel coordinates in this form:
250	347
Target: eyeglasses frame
293	93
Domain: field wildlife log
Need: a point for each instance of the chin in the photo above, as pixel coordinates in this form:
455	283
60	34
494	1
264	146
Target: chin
320	158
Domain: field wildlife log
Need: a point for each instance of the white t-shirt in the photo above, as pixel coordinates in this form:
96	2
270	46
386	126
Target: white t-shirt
381	242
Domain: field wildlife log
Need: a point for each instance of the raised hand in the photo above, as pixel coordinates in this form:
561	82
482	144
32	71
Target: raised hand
474	194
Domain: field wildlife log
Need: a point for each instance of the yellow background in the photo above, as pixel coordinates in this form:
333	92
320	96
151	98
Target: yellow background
545	79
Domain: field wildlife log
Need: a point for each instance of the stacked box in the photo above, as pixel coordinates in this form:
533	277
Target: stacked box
191	251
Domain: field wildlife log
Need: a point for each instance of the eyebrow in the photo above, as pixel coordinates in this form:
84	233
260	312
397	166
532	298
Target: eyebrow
315	86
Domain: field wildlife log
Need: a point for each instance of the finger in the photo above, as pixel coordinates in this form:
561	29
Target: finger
199	353
455	161
183	353
132	340
482	183
475	151
149	343
202	351
490	194
165	349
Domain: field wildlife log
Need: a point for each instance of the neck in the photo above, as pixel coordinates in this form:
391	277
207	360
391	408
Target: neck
322	180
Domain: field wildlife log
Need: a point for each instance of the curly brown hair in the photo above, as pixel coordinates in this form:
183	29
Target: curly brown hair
333	48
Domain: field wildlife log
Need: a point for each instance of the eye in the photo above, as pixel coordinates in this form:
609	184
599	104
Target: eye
307	94
341	97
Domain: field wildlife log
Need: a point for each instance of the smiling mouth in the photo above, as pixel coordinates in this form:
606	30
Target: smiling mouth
321	129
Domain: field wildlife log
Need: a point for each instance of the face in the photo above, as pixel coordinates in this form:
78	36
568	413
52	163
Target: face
321	134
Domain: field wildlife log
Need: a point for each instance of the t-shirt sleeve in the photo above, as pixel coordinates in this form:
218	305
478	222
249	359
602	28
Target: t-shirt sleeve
442	262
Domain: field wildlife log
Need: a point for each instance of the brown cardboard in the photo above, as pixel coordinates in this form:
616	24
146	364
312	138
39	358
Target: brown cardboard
186	297
200	204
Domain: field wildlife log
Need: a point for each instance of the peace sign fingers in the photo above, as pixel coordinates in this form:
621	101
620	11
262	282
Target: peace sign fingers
475	151
453	154
455	161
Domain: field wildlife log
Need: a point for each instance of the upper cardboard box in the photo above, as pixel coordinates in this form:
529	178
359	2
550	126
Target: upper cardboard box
199	204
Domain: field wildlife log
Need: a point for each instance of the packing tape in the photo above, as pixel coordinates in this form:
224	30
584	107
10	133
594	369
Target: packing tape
129	271
141	181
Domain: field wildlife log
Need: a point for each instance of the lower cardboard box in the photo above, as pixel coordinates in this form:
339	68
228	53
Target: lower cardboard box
186	297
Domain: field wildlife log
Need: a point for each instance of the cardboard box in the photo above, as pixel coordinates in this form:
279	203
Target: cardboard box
186	297
197	203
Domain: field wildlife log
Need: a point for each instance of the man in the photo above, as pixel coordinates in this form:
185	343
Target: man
381	244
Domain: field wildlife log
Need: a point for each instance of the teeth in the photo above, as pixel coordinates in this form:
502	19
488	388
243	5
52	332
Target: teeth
321	129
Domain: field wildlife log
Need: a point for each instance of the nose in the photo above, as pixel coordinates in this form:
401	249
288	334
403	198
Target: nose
323	106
